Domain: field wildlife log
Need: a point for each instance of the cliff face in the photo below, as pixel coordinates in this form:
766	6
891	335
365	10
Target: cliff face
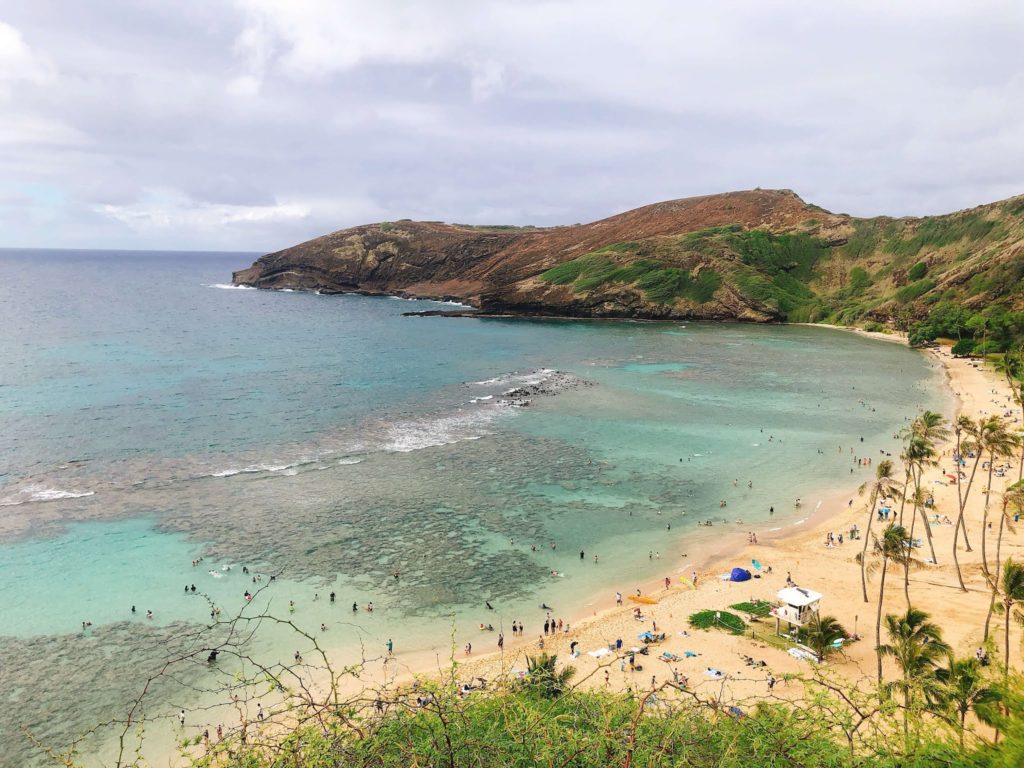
761	255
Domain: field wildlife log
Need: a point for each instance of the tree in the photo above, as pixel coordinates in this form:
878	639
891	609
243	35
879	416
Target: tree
994	438
962	426
963	348
928	429
543	675
916	645
892	546
963	688
1013	499
1011	594
883	486
821	633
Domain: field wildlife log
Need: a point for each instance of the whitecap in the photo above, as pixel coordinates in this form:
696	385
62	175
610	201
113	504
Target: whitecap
408	436
38	493
230	287
348	460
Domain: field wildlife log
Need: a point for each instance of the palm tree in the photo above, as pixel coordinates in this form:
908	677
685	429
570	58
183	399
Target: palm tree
1011	593
929	428
963	688
883	486
962	425
917	646
821	634
995	439
1013	498
542	675
892	546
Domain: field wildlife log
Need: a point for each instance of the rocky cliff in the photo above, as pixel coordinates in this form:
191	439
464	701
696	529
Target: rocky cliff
761	255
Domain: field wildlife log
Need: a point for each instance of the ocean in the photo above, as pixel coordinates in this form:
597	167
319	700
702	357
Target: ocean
154	415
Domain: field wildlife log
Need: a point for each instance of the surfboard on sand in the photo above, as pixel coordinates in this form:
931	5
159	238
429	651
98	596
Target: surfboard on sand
644	600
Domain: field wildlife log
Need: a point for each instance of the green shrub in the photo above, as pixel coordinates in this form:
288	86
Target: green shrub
917	271
963	347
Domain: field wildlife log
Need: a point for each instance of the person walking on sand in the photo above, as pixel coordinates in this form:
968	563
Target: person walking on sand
469	648
391	647
181	718
501	641
618	598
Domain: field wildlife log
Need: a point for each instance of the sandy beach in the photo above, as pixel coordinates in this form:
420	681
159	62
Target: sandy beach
797	550
793	545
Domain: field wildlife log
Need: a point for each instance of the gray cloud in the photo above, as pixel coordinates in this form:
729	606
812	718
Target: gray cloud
254	124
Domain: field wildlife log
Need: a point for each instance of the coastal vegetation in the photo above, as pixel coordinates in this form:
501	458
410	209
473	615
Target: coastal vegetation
660	728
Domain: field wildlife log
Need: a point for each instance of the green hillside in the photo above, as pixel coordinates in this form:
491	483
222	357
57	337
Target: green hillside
958	276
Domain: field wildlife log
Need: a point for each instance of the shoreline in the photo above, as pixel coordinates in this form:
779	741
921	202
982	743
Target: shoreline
798	550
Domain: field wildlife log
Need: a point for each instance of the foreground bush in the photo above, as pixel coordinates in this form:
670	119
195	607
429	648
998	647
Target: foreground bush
597	729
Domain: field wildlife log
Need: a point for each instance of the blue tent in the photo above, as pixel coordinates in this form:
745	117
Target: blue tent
739	574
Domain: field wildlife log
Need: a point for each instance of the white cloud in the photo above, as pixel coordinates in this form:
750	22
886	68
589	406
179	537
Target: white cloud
257	123
172	211
19	63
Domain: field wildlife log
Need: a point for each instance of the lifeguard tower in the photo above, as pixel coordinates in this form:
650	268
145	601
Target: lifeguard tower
796	606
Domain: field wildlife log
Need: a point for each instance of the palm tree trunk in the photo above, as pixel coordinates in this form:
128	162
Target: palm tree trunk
995	579
956	560
864	549
1006	643
966	496
906	562
906	714
984	518
903	498
878	619
924	515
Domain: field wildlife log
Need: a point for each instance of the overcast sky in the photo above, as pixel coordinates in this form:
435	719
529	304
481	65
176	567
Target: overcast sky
254	124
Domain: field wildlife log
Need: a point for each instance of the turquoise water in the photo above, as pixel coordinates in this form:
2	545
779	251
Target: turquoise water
150	416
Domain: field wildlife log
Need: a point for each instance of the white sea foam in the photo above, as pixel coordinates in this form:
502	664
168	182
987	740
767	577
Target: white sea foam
407	436
519	379
231	472
229	287
37	493
349	460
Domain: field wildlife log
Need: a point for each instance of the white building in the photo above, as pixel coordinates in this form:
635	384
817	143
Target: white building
796	606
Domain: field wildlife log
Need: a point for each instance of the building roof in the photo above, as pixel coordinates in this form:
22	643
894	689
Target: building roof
798	596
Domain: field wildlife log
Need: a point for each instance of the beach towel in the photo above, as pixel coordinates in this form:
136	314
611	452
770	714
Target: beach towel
802	655
714	674
756	564
597	654
690	654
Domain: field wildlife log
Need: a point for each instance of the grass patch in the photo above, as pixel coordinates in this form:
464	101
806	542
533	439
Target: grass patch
759	608
723	620
914	290
795	255
940	232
